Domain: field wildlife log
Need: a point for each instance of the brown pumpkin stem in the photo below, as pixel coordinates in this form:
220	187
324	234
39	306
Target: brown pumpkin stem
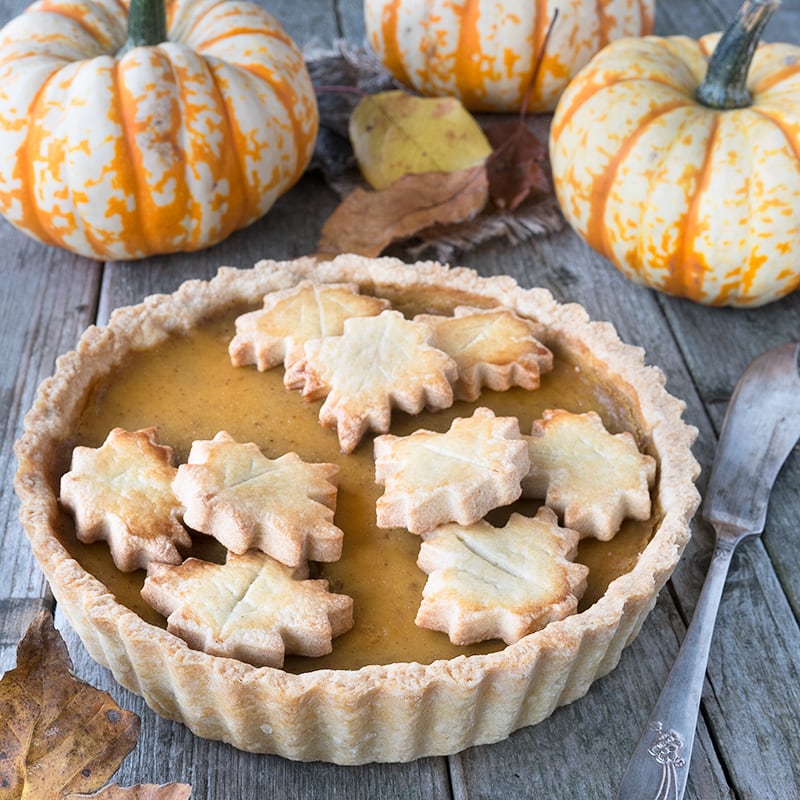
725	84
147	24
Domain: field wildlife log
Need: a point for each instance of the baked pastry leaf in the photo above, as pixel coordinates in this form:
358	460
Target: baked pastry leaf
252	608
283	506
290	317
457	476
594	478
492	347
121	492
499	583
377	364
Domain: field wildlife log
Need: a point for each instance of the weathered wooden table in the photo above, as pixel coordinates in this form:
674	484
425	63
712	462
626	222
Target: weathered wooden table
749	734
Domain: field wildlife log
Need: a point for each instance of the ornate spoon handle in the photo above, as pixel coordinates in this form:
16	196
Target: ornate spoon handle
659	766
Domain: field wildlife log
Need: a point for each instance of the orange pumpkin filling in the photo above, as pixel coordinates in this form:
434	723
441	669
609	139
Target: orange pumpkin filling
188	389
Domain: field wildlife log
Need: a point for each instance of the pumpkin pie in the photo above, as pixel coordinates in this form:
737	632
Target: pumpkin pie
400	648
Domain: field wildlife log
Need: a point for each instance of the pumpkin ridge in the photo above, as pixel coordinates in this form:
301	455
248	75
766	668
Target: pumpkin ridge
541	23
283	92
682	281
596	229
603	26
791	141
241	31
648	19
188	36
794	145
391	49
68	12
248	204
468	72
580	99
772	79
96	243
31	220
118	95
194	232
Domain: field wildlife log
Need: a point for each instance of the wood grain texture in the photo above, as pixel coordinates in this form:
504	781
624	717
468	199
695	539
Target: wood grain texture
747	745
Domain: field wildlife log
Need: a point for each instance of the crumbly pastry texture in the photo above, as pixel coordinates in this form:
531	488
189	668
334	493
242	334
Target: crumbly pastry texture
275	333
493	348
395	712
121	493
284	506
377	364
499	583
457	476
252	608
594	478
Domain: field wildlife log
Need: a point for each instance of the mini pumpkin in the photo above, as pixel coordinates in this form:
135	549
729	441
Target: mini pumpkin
121	141
485	52
683	167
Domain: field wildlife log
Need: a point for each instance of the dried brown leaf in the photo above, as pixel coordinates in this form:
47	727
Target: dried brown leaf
143	791
516	167
57	733
366	222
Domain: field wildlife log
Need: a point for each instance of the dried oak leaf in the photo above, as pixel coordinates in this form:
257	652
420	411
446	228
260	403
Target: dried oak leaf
516	168
366	222
57	734
143	791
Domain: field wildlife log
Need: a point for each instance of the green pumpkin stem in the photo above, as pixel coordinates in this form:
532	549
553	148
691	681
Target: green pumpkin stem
725	84
147	24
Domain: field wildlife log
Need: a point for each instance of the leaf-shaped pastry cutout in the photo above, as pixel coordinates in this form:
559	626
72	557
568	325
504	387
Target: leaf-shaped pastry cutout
377	364
594	478
458	476
290	317
283	506
492	347
499	583
57	733
251	608
122	492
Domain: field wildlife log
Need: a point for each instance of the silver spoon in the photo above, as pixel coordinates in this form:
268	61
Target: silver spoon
761	426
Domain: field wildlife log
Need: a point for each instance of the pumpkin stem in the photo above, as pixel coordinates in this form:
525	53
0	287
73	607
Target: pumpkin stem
725	84
147	24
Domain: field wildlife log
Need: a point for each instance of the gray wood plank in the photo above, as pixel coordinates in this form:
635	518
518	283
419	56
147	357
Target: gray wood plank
49	301
749	715
168	751
581	740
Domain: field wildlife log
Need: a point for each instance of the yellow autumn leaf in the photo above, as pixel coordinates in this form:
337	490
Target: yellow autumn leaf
396	134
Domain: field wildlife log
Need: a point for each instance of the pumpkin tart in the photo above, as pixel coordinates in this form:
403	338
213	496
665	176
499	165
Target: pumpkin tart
388	689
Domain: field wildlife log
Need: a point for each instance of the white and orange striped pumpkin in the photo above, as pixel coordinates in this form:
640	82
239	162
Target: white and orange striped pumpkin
118	146
485	51
683	167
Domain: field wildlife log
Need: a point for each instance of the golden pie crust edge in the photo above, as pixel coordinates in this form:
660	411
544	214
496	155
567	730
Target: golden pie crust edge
396	712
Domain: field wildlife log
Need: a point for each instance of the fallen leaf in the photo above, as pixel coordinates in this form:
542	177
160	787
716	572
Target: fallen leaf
516	167
57	733
395	134
144	791
367	222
